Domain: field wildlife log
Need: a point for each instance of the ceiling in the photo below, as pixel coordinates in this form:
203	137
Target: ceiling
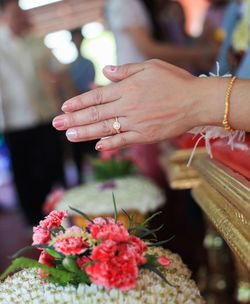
67	14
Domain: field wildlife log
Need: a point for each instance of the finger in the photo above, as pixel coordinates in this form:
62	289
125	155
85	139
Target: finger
87	116
117	73
117	141
95	97
95	131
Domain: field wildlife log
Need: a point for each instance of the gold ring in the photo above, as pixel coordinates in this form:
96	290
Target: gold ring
117	126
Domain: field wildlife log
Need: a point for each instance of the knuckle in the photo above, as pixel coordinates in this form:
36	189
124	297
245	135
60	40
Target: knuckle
152	62
70	120
98	96
125	70
94	114
122	140
106	128
85	132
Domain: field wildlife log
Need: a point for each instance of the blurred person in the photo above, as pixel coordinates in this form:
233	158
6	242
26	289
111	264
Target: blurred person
215	15
172	20
138	35
82	70
234	55
27	105
82	73
212	34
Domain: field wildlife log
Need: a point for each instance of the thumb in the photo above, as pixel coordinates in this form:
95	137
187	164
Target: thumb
117	73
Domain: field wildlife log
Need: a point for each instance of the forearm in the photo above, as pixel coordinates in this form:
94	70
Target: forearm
210	99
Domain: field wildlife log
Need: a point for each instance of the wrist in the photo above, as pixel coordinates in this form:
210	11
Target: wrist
209	98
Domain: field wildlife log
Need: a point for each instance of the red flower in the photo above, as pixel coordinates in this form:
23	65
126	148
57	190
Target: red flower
71	242
105	251
82	261
52	200
108	230
163	261
47	260
53	220
120	271
137	247
40	236
116	263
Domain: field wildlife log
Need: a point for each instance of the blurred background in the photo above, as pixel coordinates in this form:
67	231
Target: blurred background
51	50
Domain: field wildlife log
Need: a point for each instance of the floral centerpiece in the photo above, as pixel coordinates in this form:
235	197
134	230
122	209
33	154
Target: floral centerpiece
101	263
104	252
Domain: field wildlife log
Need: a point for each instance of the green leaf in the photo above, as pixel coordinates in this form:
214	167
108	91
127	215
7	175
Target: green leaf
27	248
69	263
55	231
150	218
151	259
143	229
59	276
82	214
54	253
115	208
151	231
130	219
161	242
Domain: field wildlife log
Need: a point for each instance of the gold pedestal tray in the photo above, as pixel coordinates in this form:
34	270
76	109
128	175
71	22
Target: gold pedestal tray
174	164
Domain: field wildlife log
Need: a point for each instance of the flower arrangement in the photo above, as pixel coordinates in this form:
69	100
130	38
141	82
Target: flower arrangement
104	253
112	164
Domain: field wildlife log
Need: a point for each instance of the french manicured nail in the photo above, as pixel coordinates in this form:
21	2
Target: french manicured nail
58	123
98	147
111	68
71	134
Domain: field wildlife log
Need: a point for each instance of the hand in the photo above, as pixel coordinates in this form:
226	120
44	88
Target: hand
153	101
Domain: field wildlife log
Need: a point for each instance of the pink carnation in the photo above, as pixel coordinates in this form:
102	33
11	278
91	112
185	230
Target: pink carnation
40	236
116	263
82	261
52	200
105	251
120	271
137	248
163	261
41	233
71	242
47	260
108	230
53	220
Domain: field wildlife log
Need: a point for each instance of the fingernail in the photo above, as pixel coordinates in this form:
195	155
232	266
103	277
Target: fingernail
67	107
58	123
98	147
111	68
71	133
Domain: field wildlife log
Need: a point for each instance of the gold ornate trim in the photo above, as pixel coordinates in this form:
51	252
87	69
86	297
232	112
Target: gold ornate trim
224	196
175	167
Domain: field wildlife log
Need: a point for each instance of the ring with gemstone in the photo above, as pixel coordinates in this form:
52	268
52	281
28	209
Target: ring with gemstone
117	126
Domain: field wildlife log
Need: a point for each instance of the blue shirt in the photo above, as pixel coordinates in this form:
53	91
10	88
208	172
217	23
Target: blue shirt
82	72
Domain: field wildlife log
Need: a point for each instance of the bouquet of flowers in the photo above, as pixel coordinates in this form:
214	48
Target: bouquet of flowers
104	253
